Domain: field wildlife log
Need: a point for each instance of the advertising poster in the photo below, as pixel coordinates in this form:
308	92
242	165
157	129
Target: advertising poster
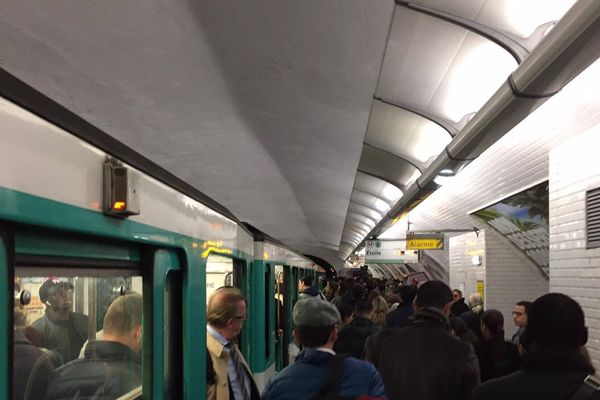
523	219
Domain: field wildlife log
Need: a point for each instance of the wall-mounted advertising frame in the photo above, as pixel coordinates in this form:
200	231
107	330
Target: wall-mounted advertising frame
523	219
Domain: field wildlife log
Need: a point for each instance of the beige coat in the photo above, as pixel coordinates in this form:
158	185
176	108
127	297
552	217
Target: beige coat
220	359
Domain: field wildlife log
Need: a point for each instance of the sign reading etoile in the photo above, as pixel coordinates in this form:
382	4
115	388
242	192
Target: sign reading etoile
389	252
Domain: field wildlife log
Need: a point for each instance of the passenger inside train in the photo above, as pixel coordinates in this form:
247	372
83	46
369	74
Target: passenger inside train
63	331
111	367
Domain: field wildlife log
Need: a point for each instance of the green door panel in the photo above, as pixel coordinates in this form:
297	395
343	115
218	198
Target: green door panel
50	244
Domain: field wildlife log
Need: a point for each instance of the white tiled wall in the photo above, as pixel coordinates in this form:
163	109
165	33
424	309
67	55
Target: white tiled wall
574	270
462	249
510	277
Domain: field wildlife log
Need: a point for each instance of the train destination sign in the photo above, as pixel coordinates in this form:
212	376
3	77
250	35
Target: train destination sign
424	241
389	252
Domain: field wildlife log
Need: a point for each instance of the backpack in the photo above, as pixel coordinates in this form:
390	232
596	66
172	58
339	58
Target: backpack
330	389
589	390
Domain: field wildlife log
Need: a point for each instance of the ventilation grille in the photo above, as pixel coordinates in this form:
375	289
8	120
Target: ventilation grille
592	213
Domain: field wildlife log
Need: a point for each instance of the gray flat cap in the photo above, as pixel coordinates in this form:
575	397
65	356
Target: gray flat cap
315	312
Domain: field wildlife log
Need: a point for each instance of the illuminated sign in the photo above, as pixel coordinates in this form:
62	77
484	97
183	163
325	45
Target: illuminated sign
481	288
389	252
424	241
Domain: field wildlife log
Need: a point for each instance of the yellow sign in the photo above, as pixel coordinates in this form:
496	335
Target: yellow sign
424	244
480	288
432	241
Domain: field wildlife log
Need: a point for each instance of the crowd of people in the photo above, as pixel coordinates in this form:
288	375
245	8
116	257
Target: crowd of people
359	339
378	339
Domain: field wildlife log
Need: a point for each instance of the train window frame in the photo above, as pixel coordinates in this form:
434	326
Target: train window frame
37	265
23	247
165	263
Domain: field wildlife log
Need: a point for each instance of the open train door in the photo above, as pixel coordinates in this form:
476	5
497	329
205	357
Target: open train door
283	317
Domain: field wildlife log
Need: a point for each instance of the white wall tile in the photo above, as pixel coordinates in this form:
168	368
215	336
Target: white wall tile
575	270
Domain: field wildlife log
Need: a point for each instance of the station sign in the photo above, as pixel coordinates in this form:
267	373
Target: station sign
424	241
389	252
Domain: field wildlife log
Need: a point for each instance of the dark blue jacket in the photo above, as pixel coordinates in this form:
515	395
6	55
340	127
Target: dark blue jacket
351	340
303	379
399	317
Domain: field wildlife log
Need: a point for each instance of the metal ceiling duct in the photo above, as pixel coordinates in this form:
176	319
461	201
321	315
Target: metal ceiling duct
568	49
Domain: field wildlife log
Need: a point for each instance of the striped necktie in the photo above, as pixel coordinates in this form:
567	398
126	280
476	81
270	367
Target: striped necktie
239	371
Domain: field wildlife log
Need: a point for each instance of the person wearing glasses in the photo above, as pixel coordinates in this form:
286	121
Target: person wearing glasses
458	304
230	377
520	319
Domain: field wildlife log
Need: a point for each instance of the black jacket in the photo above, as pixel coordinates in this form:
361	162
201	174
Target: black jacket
497	358
424	361
458	307
65	338
473	321
352	338
109	370
311	292
399	317
545	376
33	369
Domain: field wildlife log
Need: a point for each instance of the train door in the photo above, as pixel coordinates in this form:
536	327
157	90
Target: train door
226	271
283	317
219	272
73	291
294	274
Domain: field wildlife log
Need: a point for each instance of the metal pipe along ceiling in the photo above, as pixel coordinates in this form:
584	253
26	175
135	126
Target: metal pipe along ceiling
568	49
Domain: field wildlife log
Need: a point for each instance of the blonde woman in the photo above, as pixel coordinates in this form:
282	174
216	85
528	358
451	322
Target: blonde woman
473	317
380	310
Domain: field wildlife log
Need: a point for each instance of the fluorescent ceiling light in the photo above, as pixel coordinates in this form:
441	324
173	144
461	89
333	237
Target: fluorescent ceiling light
405	133
381	205
480	67
391	193
523	17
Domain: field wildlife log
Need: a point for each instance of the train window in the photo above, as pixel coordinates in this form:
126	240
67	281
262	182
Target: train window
88	322
219	272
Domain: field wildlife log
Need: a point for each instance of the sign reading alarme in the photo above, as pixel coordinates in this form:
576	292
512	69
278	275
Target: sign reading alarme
422	241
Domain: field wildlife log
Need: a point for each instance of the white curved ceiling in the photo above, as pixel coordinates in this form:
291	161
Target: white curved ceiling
443	62
305	118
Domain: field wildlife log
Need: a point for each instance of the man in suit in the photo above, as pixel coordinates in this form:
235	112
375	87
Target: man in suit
226	313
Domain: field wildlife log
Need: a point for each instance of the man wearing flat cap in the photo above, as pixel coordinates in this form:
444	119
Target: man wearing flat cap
317	369
63	331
